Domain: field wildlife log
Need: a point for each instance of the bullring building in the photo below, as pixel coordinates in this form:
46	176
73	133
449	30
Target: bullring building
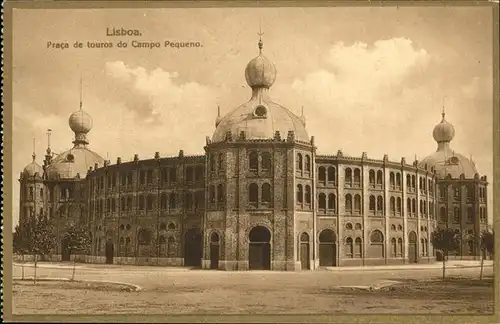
260	197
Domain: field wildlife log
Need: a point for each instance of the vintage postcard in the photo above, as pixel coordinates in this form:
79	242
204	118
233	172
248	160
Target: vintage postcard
244	161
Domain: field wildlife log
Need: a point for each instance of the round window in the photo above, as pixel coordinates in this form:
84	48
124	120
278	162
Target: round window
260	111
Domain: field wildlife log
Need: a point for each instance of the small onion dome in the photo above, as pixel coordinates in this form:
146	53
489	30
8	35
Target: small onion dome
444	131
80	122
32	169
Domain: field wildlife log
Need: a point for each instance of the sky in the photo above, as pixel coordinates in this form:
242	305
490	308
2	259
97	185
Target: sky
370	79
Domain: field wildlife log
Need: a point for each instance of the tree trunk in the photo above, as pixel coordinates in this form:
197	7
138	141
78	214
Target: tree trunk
34	276
444	266
74	266
482	267
22	266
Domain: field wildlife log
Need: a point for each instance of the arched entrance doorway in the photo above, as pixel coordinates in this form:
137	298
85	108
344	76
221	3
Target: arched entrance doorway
193	248
65	251
214	251
304	251
412	247
259	250
327	248
109	252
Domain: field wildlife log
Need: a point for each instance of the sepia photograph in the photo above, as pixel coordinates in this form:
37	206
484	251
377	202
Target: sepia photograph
251	160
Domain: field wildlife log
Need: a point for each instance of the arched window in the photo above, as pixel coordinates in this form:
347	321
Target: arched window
400	247
173	175
377	244
321	173
348	202
349	248
220	162
392	180
141	202
331	174
372	203
394	247
376	237
150	202
357	226
172	201
413	182
211	194
308	163
188	202
422	250
380	177
189	174
380	204
253	194
413	205
398	205
421	207
214	238
308	194
163	201
408	205
358	248
129	203
332	202
371	177
253	161
456	215
299	162
408	181
393	205
300	193
322	201
442	214
357	177
398	179
266	193
128	246
220	193
348	226
357	203
122	203
198	174
420	185
266	161
348	176
393	227
212	162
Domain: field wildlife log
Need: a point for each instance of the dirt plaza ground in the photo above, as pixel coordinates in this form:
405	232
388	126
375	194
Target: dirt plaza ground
184	291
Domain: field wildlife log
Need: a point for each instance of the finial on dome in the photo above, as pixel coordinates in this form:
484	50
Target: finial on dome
81	91
260	33
48	140
219	118
34	154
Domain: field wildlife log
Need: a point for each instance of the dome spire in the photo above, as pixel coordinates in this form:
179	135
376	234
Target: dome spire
34	154
443	112
260	33
81	91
